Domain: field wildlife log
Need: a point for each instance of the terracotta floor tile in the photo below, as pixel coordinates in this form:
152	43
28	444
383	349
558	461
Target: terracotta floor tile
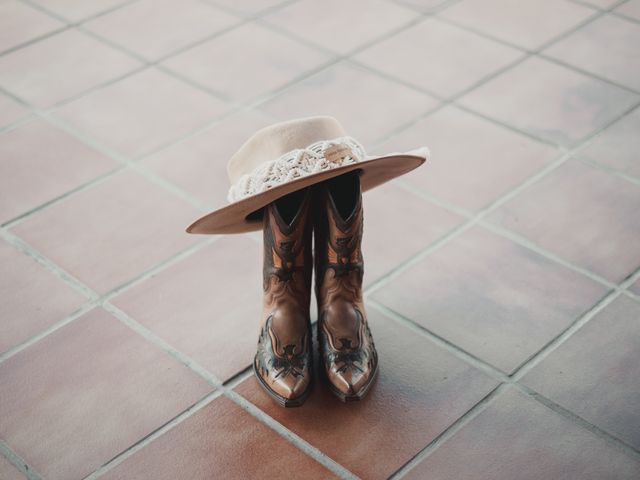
332	92
606	47
528	24
349	26
516	437
142	112
154	28
199	165
94	375
75	10
617	147
255	49
11	111
8	471
593	373
583	214
602	4
108	234
207	305
425	6
250	7
39	162
20	23
630	9
550	101
492	297
447	65
398	225
219	441
39	73
421	390
33	299
471	174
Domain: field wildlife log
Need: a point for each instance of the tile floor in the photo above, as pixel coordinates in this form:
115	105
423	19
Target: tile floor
502	279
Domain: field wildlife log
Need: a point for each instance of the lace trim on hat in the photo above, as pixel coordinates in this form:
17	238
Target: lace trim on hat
296	164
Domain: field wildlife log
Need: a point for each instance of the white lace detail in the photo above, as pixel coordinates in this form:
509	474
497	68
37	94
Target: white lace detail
294	164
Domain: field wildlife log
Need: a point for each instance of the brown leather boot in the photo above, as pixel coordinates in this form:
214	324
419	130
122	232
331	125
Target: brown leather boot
346	345
283	362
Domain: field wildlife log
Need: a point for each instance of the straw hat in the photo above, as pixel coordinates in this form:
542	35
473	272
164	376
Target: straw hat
289	156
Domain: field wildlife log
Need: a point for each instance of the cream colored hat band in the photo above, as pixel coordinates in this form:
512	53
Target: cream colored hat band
317	157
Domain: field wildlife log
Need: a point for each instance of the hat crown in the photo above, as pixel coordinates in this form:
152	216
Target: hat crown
276	140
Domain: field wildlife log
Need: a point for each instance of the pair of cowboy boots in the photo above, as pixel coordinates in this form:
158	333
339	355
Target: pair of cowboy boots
284	361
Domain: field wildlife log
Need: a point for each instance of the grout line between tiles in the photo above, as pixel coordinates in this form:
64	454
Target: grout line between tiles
143	442
544	352
453	100
60	198
625	17
15	460
445	101
133	163
498	375
528	364
33	40
227	391
610	439
525	184
79	312
256	102
406	264
144	63
450	431
49	265
157	63
610	170
93	299
519	373
71	23
239	377
538	51
442	342
292	437
293	83
429	11
67	24
633	296
587	73
532	246
122	164
97	301
424	194
513	379
587	4
233	11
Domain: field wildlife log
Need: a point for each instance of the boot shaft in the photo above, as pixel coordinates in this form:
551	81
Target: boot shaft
287	260
339	264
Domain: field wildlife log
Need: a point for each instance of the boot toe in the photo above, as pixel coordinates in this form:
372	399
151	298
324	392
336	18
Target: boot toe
350	384
291	388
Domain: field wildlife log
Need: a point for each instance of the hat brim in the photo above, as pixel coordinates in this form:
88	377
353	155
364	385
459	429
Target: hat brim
237	217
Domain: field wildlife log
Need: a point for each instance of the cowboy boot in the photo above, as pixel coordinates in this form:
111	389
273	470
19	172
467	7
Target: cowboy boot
347	351
283	362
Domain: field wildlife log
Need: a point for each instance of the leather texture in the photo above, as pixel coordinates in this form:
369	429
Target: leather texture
347	349
283	362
